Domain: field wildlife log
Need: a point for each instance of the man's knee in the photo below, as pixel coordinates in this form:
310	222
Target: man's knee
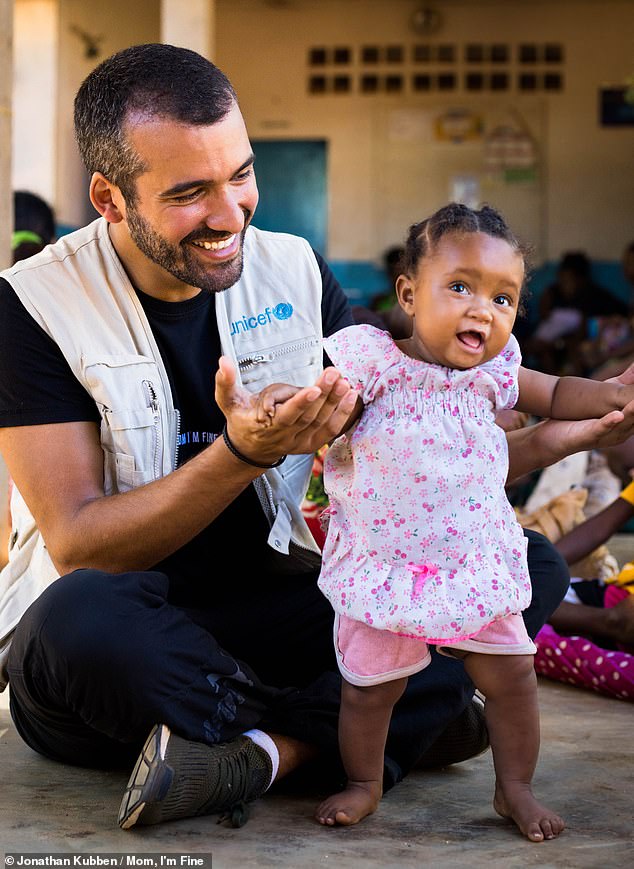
88	614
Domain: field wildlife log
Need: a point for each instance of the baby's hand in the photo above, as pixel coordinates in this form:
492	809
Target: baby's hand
269	397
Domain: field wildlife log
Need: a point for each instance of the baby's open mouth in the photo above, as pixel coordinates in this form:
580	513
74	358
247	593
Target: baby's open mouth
473	340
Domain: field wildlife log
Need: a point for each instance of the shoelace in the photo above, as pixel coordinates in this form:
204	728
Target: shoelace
238	815
234	770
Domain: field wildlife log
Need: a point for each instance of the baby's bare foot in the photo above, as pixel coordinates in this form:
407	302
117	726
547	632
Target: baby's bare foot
535	821
350	805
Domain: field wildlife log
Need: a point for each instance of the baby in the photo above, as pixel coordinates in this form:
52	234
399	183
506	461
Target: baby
423	547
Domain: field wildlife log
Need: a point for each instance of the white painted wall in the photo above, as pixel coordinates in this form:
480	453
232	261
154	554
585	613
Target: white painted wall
587	172
51	39
35	36
116	24
191	24
585	194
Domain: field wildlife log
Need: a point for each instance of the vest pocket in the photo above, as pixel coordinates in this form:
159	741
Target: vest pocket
128	394
120	473
296	362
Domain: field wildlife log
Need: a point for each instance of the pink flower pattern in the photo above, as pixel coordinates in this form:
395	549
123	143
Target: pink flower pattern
422	540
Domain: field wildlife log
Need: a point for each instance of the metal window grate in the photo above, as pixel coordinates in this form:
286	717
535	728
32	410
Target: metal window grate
435	67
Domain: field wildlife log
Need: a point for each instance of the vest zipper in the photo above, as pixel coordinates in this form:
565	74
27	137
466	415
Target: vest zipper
265	495
246	363
178	435
153	404
267	502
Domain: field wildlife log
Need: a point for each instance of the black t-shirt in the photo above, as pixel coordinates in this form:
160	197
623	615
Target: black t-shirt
38	387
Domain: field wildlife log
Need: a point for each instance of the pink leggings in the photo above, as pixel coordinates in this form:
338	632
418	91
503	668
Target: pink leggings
578	661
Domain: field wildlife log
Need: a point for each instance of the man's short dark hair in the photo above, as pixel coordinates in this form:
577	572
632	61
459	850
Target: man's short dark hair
148	81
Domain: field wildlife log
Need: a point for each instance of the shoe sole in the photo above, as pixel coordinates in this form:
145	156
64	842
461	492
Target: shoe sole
174	778
149	782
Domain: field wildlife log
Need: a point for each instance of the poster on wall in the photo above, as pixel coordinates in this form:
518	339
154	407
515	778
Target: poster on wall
409	125
457	125
491	154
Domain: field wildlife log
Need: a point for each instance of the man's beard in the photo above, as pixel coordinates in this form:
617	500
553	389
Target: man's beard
180	261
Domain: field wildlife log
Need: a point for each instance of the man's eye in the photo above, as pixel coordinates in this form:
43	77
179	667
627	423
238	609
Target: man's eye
242	176
187	197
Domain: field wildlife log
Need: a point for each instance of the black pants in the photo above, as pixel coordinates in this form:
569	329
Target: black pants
98	659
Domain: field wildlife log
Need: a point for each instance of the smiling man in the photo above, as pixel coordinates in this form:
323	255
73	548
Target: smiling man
162	579
173	224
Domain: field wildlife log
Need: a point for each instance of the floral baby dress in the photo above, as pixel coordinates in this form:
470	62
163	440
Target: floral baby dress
422	540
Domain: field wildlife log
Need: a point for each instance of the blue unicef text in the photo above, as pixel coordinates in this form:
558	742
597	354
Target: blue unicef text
281	311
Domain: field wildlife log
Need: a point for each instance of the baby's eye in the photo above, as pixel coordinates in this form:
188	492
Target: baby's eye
459	287
503	300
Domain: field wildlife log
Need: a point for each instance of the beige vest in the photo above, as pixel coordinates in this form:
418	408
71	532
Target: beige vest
79	293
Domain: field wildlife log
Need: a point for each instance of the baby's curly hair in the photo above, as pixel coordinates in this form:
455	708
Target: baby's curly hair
456	218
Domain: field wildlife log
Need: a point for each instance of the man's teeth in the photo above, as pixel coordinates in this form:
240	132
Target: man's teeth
216	245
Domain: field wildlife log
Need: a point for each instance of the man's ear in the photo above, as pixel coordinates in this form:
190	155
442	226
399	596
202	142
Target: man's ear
405	294
107	198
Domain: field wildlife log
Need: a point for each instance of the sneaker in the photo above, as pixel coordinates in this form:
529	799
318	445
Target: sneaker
464	738
175	778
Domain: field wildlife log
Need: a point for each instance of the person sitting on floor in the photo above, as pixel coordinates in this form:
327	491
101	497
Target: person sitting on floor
589	640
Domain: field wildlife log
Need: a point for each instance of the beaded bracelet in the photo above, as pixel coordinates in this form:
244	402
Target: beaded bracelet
628	493
236	452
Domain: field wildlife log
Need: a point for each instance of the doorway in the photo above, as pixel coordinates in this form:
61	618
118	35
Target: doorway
292	180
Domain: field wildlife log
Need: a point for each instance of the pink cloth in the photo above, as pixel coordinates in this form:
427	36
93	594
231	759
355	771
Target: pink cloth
578	661
507	636
367	656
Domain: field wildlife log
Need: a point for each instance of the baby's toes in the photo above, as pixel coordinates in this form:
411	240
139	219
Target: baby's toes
550	827
557	824
324	814
535	833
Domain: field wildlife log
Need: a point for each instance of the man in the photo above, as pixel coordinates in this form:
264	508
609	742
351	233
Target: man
187	604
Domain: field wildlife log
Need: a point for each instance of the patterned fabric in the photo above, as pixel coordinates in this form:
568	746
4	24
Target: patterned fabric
422	539
578	661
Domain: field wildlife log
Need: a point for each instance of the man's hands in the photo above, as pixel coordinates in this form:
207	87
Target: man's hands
306	419
551	440
619	450
614	428
59	471
270	397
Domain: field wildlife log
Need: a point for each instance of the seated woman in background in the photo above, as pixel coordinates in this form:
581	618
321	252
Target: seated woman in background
612	349
566	308
589	639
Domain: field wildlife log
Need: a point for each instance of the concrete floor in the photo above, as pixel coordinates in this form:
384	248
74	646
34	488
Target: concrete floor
440	819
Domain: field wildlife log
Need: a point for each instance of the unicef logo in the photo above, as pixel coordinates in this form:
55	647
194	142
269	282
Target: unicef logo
282	311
